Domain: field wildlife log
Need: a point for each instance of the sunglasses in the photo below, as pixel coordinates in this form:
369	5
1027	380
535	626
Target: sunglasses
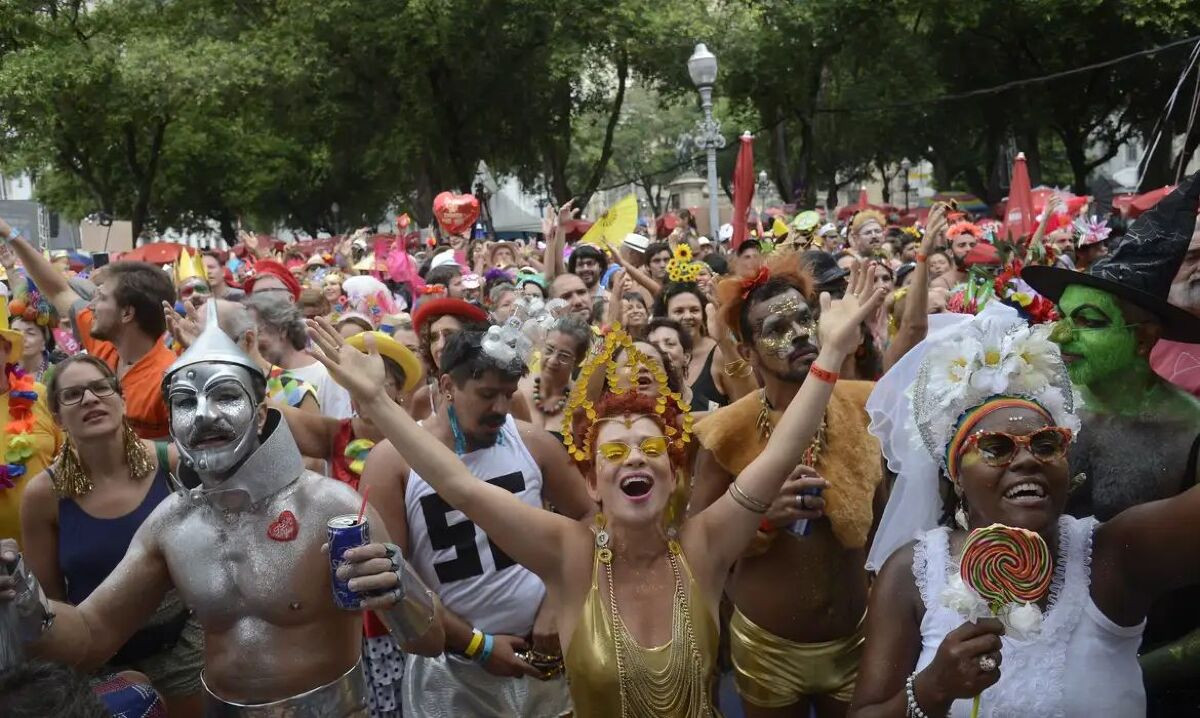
615	452
997	448
100	388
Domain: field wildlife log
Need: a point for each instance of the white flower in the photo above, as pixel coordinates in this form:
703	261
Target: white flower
962	599
1034	360
1023	622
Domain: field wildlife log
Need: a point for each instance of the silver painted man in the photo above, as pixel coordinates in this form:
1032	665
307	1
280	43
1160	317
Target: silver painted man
244	548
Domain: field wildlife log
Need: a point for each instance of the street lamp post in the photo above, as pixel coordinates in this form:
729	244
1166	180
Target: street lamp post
905	166
702	66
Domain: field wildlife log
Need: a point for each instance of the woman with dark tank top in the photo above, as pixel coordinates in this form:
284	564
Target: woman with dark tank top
79	516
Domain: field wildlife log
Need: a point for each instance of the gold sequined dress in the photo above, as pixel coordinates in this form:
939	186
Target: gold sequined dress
612	676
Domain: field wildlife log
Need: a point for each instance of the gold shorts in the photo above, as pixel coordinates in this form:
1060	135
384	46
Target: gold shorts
773	672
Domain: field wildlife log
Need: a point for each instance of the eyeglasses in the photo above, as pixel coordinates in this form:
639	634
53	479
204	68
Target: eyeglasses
100	388
998	448
615	452
187	292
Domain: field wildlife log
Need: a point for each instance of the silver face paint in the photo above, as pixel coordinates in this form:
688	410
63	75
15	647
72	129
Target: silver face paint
213	417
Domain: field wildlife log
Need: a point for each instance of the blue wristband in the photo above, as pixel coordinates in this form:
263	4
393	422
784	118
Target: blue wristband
484	655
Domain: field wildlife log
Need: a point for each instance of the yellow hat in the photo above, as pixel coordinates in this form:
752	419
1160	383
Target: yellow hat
395	351
189	266
15	338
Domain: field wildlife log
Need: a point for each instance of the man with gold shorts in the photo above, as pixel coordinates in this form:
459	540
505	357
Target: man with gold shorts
800	594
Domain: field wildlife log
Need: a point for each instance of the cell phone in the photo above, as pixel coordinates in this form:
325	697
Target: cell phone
99	259
803	527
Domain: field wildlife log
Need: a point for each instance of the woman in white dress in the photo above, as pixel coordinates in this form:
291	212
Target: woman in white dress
994	411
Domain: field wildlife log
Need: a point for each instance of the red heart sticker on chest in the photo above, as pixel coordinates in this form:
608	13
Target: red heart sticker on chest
284	528
456	213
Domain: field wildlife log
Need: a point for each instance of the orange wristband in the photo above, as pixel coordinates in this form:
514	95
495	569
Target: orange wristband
829	377
921	257
766	526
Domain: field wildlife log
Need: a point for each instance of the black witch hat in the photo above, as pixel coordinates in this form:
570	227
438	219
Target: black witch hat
1142	266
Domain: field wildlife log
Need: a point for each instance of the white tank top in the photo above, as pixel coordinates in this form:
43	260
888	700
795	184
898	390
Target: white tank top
1081	666
473	577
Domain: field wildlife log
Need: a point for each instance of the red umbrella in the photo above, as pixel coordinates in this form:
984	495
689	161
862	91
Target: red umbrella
862	199
743	188
155	252
1122	202
1143	202
577	228
1018	214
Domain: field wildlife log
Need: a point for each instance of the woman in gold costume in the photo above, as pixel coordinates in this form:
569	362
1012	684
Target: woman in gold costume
637	589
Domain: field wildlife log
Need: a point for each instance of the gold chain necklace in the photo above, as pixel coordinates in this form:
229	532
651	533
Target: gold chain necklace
681	683
765	426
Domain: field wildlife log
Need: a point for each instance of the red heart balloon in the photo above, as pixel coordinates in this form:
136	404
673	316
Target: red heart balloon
284	528
456	213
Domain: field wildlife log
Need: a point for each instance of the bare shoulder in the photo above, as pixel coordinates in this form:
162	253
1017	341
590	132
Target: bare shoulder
39	492
325	494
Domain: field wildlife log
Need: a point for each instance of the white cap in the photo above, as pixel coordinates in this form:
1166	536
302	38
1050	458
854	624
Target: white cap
826	228
471	281
636	242
442	259
703	241
726	232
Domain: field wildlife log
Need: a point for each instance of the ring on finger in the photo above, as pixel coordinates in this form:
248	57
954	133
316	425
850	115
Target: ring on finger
987	664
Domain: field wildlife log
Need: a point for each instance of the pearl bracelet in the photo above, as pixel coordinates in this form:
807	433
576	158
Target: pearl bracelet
914	710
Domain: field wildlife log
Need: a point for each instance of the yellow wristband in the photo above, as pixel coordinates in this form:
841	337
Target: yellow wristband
476	642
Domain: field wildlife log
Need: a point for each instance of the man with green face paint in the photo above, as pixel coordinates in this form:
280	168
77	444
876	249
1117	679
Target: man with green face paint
1140	434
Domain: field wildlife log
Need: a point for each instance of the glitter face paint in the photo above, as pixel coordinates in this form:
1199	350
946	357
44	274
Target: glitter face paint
213	416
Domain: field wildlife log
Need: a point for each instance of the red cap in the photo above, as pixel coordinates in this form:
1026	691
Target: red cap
277	270
429	309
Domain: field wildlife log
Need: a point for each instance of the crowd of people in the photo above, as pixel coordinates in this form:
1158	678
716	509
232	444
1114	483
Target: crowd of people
597	479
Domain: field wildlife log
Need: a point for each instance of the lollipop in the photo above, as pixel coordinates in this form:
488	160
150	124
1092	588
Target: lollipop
1006	565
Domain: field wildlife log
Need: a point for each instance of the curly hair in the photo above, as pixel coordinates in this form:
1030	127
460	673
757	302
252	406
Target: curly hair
628	403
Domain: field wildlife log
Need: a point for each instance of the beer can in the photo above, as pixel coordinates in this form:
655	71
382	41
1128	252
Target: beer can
345	532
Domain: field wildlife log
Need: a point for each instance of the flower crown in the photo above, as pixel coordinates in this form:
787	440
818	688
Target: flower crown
996	354
681	268
578	436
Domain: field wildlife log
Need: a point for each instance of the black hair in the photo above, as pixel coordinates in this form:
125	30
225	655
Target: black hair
37	689
685	339
773	287
654	248
395	371
674	289
464	359
587	251
746	244
717	263
143	287
443	274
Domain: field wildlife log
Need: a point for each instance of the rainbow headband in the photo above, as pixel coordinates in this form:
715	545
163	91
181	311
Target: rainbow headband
971	418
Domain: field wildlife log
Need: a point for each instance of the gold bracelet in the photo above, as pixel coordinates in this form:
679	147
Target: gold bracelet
746	501
736	368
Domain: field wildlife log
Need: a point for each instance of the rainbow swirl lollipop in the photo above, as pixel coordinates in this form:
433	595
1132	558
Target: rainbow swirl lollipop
1006	565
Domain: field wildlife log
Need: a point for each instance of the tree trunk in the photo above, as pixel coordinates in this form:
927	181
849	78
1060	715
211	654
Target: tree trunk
1077	157
144	176
614	117
1158	168
781	166
225	220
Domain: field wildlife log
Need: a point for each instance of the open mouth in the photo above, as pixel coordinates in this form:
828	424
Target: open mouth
94	414
1026	493
644	381
637	486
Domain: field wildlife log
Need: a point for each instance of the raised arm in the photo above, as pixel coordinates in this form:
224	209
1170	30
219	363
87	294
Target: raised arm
914	324
638	275
531	536
555	241
51	282
727	526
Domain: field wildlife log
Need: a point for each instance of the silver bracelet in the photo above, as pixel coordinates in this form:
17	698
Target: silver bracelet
914	710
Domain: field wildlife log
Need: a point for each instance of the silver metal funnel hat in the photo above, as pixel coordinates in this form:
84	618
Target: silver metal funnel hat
213	346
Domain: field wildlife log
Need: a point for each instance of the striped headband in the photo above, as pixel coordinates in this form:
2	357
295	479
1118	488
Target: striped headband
971	418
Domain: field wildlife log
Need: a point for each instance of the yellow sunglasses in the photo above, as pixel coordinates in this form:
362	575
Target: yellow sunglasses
616	451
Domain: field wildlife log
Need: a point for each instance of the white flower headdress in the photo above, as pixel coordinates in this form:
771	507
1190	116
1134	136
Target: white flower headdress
916	407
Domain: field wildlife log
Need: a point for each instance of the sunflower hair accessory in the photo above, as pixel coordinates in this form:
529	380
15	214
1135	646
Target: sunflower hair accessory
617	342
681	268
